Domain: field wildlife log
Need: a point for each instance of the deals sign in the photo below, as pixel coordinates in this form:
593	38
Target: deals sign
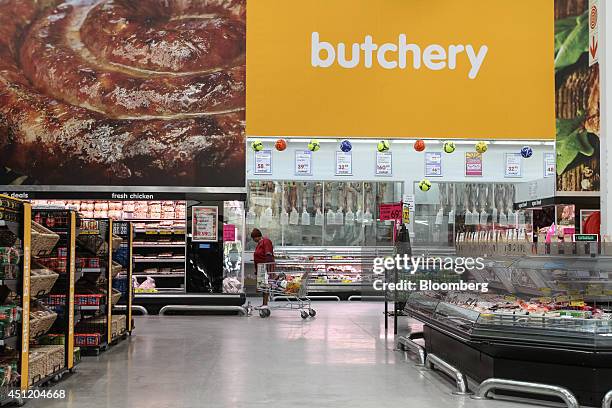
436	68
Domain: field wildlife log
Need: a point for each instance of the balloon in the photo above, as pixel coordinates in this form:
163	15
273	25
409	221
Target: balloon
280	145
425	185
383	146
314	145
346	146
449	147
526	152
481	147
257	145
419	145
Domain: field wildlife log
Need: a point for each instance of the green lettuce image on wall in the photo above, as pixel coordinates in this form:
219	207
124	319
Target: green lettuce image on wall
577	100
572	139
571	40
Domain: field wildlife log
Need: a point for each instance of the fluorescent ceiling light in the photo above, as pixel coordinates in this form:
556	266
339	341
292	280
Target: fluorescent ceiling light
464	142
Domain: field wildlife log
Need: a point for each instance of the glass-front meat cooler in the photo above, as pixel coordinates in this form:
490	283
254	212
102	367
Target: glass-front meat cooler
545	320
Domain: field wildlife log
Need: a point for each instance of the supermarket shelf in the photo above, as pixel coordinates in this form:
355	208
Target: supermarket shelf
91	270
90	308
330	287
9	342
153	219
159	260
160	275
5	223
9	283
160	231
48	378
88	232
178	245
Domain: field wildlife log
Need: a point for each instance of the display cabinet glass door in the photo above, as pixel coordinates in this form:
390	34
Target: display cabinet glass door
321	213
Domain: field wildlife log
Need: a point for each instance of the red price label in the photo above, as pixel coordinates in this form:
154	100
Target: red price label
390	211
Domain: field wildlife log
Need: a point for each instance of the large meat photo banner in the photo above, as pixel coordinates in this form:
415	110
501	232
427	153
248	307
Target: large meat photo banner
123	92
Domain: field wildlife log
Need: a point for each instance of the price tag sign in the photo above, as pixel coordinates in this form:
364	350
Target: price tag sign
550	165
433	164
303	163
384	164
344	164
390	211
514	165
408	204
263	162
473	164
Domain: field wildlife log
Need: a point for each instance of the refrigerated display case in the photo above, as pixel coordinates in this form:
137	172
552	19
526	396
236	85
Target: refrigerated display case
545	320
452	211
321	213
332	223
341	272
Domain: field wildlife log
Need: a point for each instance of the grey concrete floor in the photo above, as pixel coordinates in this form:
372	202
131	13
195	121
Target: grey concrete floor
341	358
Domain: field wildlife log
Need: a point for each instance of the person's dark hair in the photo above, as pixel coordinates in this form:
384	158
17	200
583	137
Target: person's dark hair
256	233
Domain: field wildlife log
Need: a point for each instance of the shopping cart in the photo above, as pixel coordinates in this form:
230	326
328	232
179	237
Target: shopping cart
289	283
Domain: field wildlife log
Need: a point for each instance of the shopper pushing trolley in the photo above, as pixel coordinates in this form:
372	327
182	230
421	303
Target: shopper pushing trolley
289	283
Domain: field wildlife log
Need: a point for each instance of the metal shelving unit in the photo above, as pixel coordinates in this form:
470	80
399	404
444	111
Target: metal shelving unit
94	333
61	260
147	245
15	233
123	282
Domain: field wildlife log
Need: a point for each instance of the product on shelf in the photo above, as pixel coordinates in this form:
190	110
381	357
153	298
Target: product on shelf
231	284
148	286
491	304
10	317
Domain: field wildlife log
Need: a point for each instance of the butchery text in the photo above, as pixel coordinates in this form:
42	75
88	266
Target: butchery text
398	55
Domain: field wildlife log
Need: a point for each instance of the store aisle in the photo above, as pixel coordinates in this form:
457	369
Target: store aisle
339	359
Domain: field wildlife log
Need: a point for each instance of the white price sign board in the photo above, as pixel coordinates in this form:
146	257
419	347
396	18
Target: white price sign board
344	164
433	164
550	165
204	223
514	165
303	163
263	162
384	164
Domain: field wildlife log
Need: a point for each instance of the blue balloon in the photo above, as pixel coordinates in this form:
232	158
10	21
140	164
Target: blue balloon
346	146
526	152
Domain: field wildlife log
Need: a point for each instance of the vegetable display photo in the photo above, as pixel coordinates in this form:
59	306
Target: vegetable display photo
122	92
577	100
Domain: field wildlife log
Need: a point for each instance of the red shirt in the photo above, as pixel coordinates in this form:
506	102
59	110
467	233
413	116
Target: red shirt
264	251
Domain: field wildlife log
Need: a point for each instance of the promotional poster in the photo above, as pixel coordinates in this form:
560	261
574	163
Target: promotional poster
99	92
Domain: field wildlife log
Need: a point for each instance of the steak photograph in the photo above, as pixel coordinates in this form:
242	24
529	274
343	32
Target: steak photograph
122	92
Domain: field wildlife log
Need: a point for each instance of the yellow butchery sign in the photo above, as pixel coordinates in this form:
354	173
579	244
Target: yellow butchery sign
401	68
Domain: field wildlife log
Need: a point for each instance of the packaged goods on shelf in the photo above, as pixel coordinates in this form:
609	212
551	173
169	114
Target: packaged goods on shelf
10	317
232	285
87	339
9	374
